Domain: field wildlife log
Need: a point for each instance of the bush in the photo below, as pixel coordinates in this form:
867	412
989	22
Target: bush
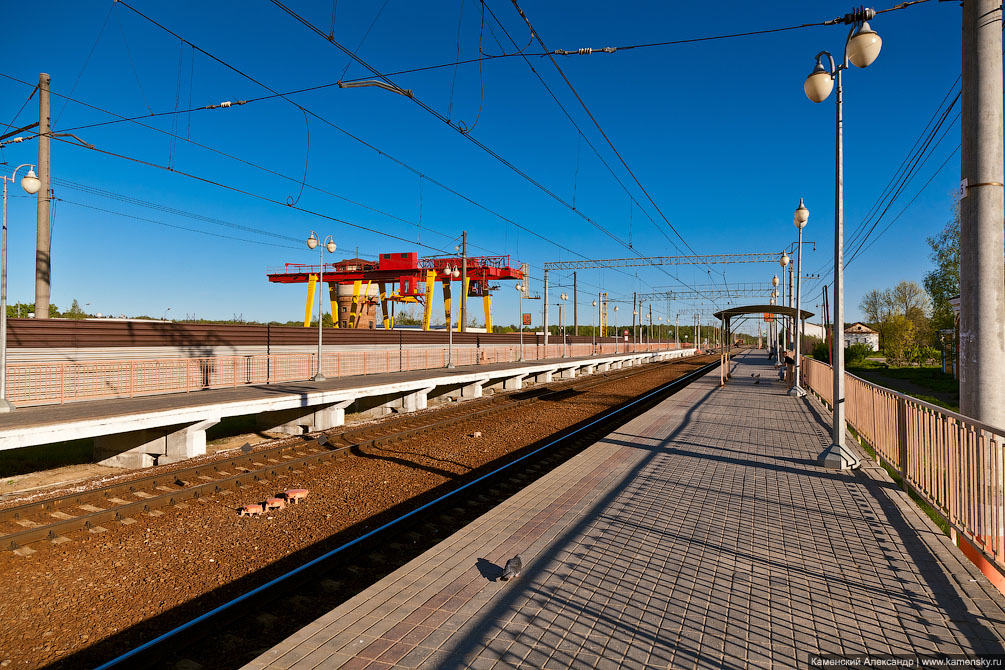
929	356
821	351
857	352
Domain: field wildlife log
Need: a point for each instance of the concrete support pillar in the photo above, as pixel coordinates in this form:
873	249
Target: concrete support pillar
473	390
513	383
300	420
152	446
544	377
605	367
568	373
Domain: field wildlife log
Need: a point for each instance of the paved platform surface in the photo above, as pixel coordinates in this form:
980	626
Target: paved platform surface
701	534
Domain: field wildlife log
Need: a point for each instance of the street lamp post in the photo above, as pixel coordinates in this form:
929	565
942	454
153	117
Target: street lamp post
676	331
800	218
314	241
31	184
519	321
861	48
561	323
593	347
784	261
452	274
774	322
617	334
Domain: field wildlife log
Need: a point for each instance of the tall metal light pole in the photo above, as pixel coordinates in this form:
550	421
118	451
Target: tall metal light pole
784	261
861	48
561	322
312	242
452	274
800	218
593	348
617	335
676	331
31	185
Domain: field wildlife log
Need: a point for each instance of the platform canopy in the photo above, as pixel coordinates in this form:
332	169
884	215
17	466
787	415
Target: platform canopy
761	309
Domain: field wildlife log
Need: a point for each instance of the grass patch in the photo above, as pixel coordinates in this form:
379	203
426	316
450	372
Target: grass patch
14	462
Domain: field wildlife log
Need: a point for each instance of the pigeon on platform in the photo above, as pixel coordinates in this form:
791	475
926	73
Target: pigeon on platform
757	381
758	375
512	569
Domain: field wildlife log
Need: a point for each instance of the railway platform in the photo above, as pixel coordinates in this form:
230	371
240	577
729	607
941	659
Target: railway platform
162	428
702	534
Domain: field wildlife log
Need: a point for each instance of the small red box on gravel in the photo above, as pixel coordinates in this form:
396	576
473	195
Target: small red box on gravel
296	495
251	510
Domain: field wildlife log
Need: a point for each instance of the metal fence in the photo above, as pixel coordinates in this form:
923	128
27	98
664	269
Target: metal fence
953	462
43	383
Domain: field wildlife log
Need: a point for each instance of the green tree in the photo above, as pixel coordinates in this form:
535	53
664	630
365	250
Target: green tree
900	345
943	282
75	312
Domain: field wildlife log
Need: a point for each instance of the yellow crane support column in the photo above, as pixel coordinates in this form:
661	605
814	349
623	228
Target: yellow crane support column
311	282
388	321
354	312
487	304
428	307
333	299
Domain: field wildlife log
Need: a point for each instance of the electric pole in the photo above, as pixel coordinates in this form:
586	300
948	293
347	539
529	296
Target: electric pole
575	305
982	239
464	281
43	263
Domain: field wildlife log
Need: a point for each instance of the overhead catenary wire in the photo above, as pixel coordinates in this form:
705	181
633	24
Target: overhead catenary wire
463	132
342	130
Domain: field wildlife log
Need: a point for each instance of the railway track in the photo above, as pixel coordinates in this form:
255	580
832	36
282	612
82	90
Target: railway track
53	519
233	633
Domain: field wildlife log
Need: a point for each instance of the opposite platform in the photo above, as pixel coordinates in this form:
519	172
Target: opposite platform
701	534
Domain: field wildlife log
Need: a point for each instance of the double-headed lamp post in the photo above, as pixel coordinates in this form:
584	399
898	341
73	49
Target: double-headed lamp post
593	348
561	321
519	321
312	242
861	48
784	261
800	218
452	274
774	322
617	335
31	184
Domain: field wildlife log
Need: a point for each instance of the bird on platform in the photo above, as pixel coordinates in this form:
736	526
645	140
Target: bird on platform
757	381
758	375
512	569
751	374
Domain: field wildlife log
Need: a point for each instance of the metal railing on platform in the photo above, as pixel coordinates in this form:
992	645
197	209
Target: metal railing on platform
955	463
43	383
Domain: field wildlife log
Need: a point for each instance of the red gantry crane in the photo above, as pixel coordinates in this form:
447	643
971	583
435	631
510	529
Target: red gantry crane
412	280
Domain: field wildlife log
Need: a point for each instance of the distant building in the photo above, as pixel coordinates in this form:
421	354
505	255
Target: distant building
859	333
813	330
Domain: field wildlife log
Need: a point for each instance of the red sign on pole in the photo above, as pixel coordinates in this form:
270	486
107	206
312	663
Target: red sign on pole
768	317
526	319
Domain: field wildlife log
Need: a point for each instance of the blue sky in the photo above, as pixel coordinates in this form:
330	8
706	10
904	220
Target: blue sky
718	132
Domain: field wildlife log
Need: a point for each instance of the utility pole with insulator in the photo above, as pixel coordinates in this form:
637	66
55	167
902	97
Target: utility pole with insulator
982	238
43	245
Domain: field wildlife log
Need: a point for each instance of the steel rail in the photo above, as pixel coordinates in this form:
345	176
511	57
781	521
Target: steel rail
319	452
680	382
